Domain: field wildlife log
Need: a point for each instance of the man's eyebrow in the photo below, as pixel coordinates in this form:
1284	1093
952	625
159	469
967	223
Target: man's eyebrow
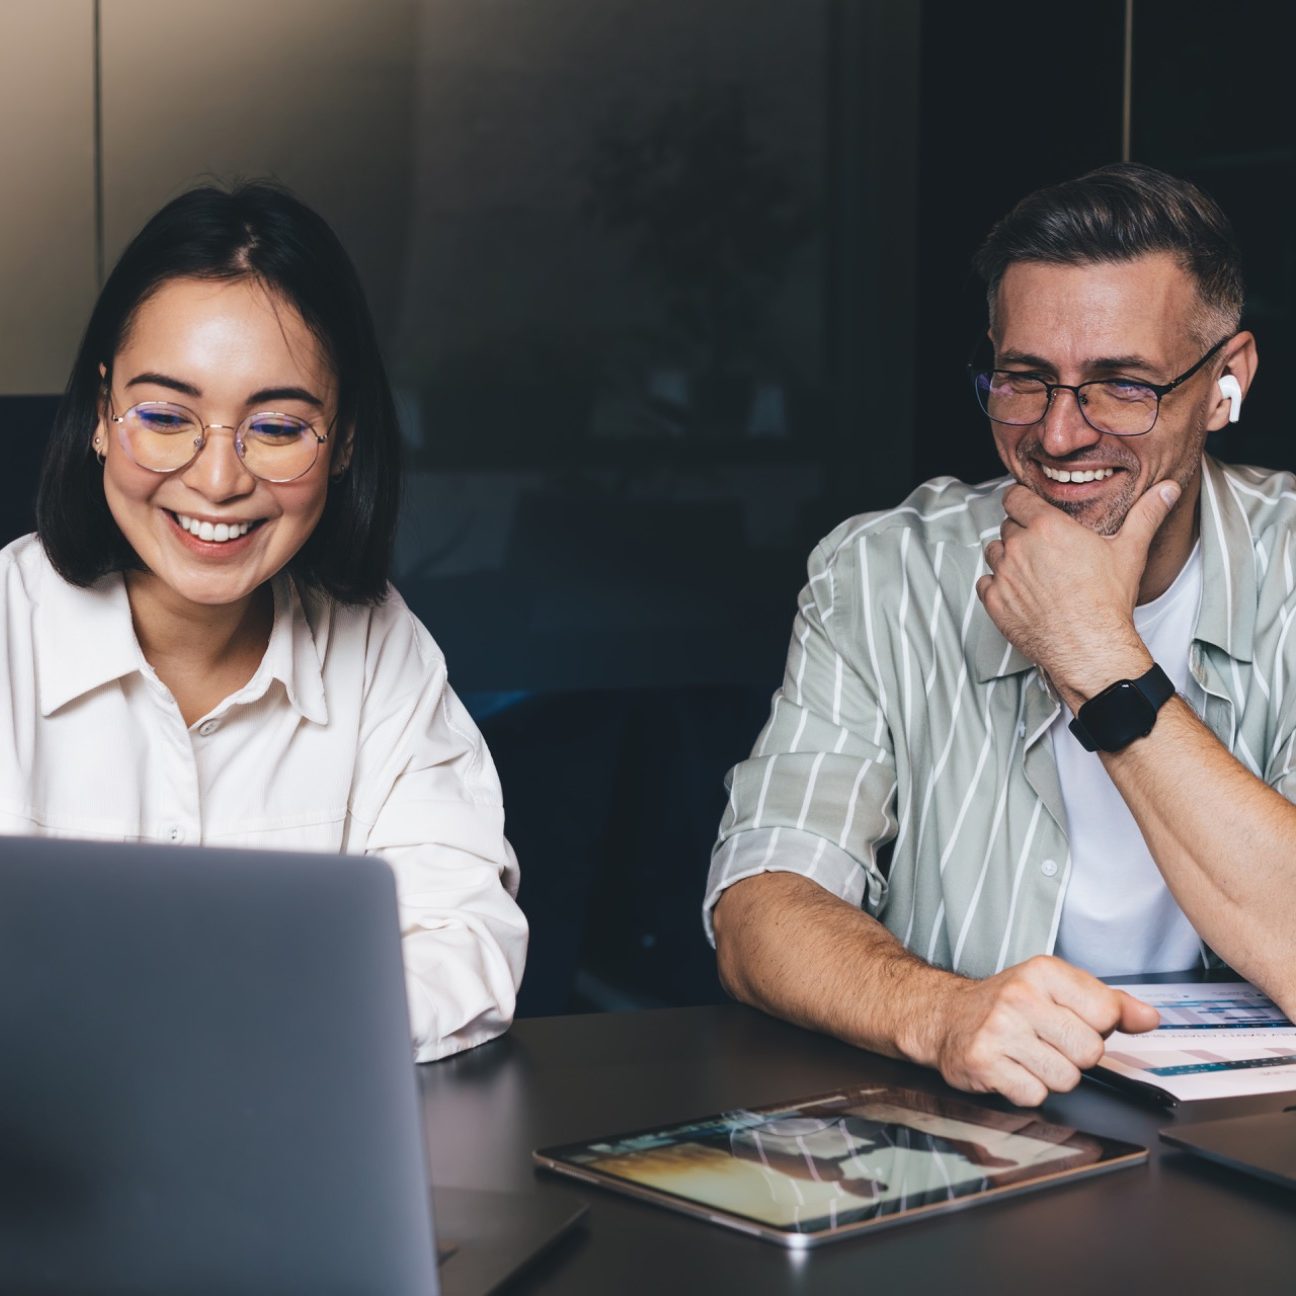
161	380
284	394
1099	362
1124	362
1022	358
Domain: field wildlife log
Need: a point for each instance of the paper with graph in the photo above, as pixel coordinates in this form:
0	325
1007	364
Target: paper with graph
1221	1040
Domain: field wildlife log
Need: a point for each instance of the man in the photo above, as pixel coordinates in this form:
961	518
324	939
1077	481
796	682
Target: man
942	648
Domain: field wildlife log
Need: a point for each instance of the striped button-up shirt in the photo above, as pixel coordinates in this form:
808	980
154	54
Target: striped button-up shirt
906	766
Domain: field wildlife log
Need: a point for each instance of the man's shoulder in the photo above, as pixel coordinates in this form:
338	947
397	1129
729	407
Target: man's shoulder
941	512
1266	496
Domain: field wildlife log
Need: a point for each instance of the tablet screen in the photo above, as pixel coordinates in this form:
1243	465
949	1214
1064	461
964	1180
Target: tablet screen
809	1168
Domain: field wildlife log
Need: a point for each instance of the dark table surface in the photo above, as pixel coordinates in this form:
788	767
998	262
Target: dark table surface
1175	1225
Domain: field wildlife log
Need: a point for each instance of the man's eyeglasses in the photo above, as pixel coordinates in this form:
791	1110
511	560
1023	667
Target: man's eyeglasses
165	438
1117	406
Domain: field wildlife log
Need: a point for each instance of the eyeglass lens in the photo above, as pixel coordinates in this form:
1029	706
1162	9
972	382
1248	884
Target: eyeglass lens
1116	406
164	438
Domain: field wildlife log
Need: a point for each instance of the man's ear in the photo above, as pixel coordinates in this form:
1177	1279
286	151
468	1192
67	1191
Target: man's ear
1240	364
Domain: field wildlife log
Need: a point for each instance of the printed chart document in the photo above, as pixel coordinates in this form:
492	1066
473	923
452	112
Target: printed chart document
1221	1040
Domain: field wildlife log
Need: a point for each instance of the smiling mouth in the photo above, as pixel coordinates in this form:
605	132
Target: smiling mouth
214	532
1076	474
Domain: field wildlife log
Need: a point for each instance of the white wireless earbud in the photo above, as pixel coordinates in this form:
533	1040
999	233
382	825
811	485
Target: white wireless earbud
1228	386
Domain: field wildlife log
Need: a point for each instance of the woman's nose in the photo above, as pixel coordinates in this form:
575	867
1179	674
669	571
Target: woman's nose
217	472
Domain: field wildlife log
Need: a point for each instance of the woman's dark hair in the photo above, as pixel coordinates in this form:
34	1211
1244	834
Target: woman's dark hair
1118	213
255	231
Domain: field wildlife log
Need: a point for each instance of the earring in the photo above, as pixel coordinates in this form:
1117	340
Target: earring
98	449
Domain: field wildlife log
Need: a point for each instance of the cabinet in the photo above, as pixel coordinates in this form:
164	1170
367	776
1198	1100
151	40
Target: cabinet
109	110
47	194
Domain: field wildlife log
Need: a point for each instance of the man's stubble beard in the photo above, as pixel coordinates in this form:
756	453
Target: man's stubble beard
1113	512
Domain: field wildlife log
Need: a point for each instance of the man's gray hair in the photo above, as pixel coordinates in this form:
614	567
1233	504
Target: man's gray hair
1118	213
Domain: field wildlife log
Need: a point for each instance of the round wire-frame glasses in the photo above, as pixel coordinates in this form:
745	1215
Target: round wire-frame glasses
165	437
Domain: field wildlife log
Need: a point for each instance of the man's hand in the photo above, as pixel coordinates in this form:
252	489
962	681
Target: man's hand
1064	595
1030	1030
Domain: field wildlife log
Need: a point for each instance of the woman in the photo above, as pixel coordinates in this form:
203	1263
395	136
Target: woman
201	641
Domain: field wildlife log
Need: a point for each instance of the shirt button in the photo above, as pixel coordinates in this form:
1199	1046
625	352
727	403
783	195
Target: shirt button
1049	868
208	727
175	833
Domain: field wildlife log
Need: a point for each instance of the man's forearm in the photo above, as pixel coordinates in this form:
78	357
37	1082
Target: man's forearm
788	946
793	949
1224	841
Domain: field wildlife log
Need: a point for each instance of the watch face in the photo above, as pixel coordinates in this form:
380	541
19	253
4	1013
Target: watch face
1118	715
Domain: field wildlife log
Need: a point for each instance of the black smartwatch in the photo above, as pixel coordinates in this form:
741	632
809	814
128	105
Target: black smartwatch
1122	712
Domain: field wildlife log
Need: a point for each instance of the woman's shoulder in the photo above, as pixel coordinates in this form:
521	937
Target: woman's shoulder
24	567
387	634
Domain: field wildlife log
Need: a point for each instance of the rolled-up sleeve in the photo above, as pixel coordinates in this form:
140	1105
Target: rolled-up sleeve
428	800
816	795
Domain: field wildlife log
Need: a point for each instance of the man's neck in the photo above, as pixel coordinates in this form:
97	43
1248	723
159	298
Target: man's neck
1172	545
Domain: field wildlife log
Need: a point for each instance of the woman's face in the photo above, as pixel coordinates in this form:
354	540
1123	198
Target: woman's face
223	350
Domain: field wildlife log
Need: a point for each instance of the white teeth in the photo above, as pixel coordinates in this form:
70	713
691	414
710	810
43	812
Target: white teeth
216	532
1080	475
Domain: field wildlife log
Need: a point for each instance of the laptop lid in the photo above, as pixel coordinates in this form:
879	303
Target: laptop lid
207	1080
1263	1144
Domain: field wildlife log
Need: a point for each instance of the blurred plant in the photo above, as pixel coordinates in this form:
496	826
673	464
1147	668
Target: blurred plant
714	219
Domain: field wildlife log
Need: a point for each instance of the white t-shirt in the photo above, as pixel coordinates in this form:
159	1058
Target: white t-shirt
1118	916
346	739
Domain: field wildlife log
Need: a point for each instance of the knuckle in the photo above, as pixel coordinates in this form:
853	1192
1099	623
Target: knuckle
1089	1053
1019	994
1029	1093
999	1020
1066	1079
1103	1010
979	1056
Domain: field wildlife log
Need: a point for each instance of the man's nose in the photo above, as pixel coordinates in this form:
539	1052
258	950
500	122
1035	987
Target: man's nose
218	472
1064	429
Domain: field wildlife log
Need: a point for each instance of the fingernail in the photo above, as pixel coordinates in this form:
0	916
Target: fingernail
1169	491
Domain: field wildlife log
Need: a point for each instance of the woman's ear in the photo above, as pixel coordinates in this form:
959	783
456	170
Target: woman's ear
342	456
99	438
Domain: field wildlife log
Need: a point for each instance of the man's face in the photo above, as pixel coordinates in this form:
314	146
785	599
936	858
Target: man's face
1071	324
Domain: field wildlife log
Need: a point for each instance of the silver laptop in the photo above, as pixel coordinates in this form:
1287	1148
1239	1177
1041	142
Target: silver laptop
1262	1144
206	1083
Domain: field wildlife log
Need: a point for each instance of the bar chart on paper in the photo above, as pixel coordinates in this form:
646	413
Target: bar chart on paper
1235	1011
1214	1041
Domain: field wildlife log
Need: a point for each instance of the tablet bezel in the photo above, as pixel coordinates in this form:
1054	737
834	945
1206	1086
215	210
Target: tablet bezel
1112	1154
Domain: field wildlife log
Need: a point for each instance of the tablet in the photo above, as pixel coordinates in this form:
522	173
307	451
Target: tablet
809	1171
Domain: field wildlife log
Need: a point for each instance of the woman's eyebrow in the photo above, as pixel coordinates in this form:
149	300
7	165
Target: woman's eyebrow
161	380
284	393
257	398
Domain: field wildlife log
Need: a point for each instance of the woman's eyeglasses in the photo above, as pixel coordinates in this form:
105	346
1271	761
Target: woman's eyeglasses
165	438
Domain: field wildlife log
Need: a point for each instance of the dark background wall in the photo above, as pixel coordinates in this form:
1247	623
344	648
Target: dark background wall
667	291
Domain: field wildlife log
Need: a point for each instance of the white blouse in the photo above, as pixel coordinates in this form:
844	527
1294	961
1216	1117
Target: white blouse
348	738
